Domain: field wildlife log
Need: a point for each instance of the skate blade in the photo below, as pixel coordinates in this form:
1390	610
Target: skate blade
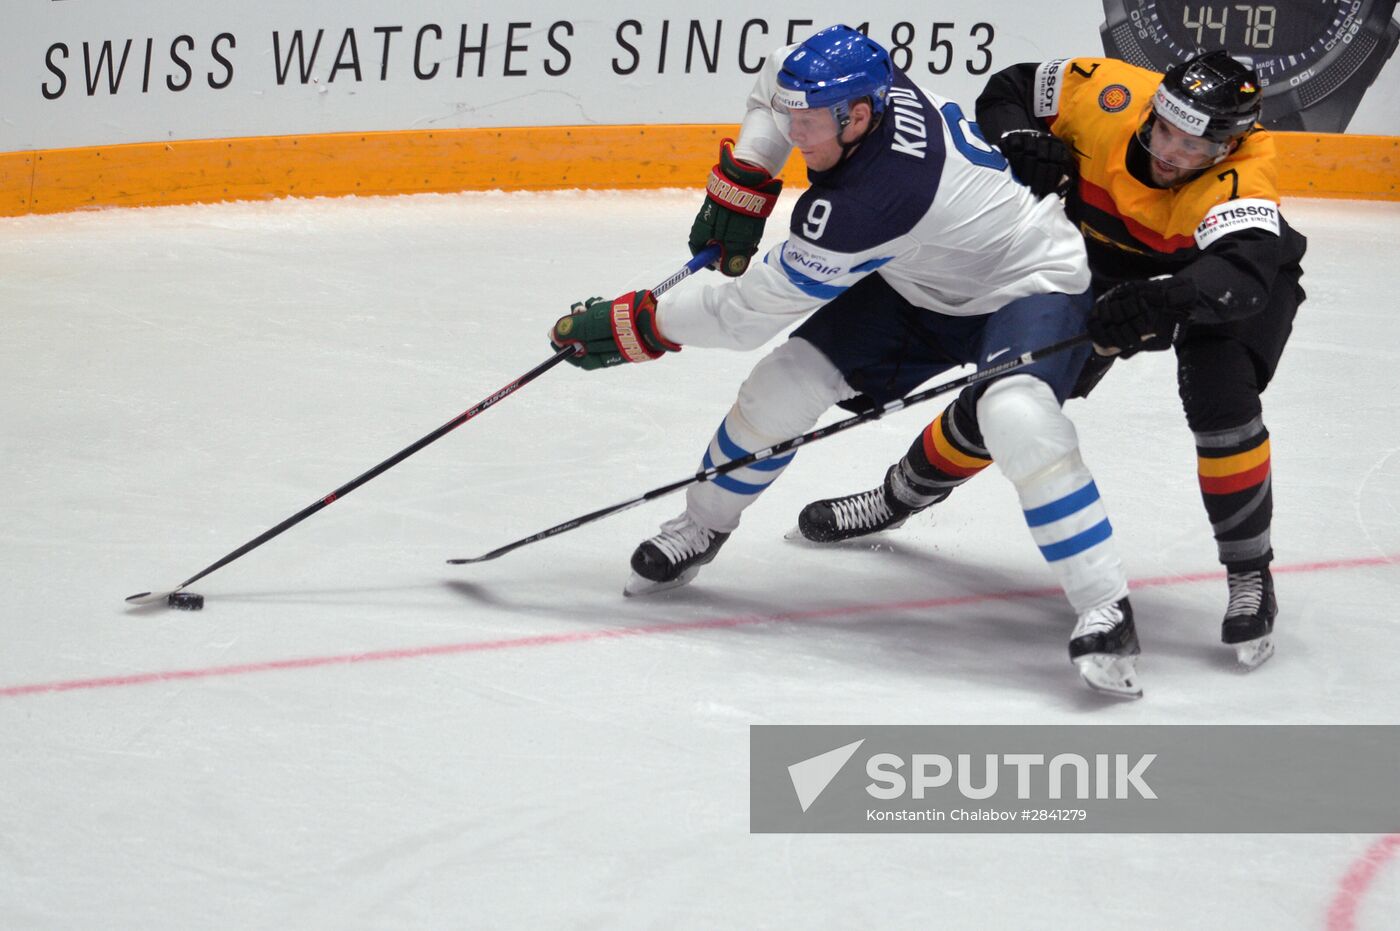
796	535
1110	674
1252	653
640	585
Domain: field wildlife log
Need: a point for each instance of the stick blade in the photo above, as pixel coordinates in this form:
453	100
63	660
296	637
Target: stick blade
149	598
468	560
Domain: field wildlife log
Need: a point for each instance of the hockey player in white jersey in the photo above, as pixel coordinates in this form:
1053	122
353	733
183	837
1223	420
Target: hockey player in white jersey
913	251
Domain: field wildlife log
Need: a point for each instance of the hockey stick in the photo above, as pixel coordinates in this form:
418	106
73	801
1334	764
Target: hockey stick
706	475
171	595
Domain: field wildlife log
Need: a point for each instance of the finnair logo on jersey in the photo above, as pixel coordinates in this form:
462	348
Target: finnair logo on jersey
817	266
910	128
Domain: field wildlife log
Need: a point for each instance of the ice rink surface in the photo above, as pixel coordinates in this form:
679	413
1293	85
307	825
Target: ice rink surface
354	735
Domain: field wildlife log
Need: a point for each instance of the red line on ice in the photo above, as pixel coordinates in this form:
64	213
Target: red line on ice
1357	882
544	640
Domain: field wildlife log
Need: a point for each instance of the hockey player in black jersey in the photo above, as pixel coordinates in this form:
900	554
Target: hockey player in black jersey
1173	186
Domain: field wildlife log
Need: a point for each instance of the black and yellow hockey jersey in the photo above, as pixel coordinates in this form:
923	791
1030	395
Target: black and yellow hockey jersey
1223	229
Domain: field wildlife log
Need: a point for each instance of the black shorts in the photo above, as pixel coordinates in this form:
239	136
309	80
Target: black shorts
1256	341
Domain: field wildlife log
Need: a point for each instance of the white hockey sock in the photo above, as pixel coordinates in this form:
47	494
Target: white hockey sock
782	397
1036	447
717	504
1068	522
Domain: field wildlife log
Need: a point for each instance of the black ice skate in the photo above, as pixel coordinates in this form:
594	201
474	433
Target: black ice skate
1249	620
673	557
832	520
1104	648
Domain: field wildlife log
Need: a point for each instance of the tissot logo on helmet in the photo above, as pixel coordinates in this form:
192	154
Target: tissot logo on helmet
1217	91
1178	113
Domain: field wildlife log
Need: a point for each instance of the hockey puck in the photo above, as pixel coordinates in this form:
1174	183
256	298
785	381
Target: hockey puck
185	601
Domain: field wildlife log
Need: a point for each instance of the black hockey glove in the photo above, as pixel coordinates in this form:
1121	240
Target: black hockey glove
1140	315
738	199
1039	160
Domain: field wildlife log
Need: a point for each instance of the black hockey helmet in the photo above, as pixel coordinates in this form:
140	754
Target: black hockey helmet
1210	95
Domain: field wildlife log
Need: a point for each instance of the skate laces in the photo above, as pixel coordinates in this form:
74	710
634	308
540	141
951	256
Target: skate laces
682	538
1246	593
1099	620
867	509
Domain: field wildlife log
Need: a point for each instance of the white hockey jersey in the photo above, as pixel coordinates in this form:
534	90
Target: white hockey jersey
923	200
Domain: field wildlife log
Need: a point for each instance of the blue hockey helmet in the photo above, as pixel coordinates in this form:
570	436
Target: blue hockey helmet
832	70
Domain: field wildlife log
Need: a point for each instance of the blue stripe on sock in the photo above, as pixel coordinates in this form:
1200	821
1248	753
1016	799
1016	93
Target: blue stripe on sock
734	451
733	484
1069	504
1078	543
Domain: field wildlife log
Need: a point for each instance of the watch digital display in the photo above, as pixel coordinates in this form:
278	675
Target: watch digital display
1314	58
1284	39
1264	28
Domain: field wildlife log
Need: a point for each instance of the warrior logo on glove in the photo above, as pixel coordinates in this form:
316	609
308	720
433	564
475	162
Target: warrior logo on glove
610	332
625	331
739	197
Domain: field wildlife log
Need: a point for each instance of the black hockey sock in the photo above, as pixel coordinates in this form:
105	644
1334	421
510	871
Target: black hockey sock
1233	467
947	453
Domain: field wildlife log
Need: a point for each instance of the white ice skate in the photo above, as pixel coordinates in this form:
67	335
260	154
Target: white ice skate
1104	648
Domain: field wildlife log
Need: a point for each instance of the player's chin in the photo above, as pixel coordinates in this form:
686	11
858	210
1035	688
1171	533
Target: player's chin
1165	174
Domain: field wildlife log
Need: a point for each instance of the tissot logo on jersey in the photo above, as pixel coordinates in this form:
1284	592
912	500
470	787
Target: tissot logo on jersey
1047	86
1235	215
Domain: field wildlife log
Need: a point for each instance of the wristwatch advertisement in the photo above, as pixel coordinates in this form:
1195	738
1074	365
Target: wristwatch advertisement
1315	58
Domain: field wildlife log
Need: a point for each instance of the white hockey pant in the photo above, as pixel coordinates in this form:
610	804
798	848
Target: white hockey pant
1035	445
782	397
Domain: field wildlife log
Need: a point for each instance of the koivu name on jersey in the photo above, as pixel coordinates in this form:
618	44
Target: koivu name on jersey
910	130
1235	215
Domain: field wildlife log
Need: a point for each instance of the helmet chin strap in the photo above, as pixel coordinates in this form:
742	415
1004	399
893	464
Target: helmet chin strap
848	147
